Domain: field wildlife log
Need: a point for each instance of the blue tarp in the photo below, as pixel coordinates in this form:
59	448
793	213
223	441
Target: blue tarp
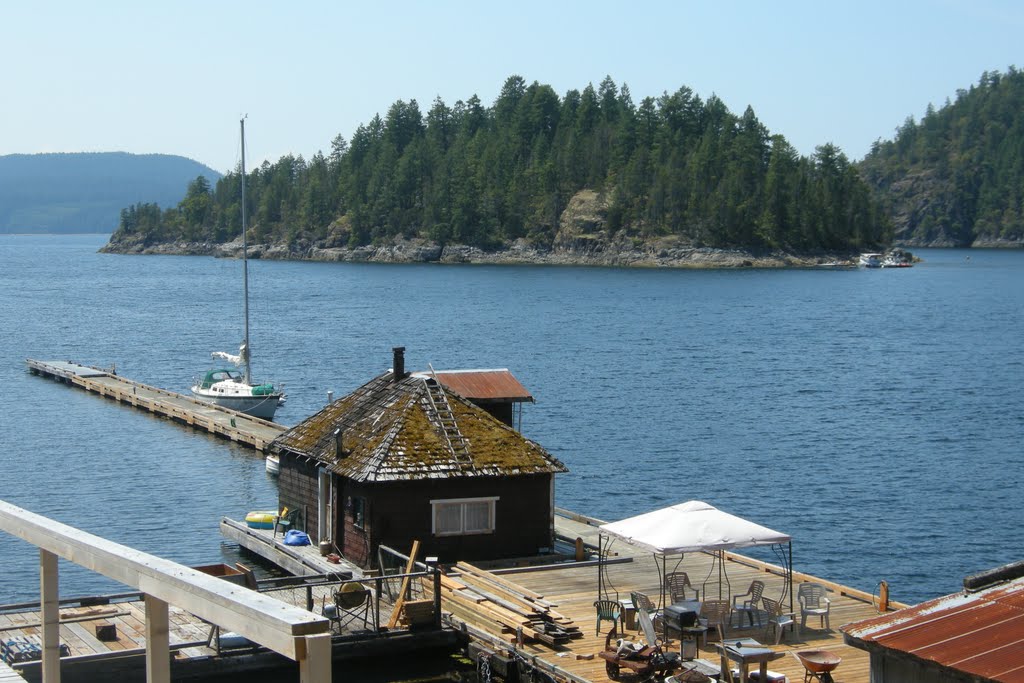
296	537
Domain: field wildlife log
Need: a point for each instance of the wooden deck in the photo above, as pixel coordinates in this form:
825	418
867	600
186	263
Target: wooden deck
296	560
570	587
189	635
185	410
574	588
9	675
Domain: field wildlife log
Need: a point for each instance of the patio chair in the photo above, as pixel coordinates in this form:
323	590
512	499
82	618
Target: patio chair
776	618
676	583
749	603
715	615
607	610
285	521
351	603
643	604
814	601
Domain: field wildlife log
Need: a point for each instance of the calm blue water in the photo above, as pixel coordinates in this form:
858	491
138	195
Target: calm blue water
876	416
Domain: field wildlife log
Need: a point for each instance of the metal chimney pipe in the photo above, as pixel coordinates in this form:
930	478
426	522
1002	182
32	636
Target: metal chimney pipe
339	450
398	366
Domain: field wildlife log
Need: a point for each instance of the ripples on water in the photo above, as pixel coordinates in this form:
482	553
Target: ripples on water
874	415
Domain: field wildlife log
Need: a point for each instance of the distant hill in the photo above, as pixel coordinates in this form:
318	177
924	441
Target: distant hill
85	192
956	177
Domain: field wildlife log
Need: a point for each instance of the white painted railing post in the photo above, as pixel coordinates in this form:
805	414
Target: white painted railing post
158	641
50	614
291	631
315	660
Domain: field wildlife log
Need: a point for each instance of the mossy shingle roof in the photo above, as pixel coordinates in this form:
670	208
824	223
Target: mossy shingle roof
391	431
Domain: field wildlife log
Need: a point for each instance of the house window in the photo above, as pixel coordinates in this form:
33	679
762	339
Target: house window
358	511
463	516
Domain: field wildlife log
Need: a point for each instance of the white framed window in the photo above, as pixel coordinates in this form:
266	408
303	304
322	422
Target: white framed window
463	516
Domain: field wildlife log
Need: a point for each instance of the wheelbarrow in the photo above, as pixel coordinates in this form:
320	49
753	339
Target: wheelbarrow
649	663
818	664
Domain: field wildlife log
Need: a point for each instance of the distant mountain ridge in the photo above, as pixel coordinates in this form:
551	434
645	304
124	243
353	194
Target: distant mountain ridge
85	192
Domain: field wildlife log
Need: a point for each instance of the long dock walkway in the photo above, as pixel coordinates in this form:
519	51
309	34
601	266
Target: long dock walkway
185	410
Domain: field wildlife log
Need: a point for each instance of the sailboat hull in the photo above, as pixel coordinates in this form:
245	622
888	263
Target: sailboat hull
262	407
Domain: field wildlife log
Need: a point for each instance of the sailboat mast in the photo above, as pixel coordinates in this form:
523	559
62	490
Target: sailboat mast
245	267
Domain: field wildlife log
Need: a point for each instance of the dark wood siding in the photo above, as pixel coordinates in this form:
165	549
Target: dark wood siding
298	489
397	513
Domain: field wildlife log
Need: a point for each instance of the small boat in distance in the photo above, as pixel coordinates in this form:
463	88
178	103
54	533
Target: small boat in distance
870	260
273	464
898	258
231	388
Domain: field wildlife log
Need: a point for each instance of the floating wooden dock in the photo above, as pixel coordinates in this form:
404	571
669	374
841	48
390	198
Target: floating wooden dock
573	588
185	410
568	589
298	560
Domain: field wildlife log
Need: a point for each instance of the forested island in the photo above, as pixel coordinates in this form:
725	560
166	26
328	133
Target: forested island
956	178
592	177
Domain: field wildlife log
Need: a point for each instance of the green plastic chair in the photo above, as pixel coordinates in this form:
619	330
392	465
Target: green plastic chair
607	610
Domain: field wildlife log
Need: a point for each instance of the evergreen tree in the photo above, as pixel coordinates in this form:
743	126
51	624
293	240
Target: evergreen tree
673	165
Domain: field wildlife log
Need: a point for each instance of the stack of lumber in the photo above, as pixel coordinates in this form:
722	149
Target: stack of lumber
502	608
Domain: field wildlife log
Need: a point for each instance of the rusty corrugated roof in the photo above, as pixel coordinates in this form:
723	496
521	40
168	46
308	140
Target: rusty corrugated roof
391	431
981	634
490	385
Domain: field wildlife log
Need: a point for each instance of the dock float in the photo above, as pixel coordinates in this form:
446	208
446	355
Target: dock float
297	560
185	410
8	675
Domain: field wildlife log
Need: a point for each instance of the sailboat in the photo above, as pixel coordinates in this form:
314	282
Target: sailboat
229	387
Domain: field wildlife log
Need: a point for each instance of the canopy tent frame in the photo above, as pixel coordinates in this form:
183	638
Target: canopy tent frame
694	526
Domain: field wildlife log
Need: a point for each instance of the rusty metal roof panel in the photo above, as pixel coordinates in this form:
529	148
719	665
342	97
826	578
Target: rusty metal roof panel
978	633
489	385
392	431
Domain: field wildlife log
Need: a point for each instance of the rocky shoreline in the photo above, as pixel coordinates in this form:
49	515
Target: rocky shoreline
579	252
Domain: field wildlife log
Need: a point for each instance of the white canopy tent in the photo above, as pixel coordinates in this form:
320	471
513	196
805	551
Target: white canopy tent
691	527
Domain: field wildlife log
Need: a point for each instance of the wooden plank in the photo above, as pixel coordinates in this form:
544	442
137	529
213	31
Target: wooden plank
89	639
158	641
68	620
409	566
495	579
9	675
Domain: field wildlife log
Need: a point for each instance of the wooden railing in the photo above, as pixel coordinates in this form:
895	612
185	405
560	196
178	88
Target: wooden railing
291	631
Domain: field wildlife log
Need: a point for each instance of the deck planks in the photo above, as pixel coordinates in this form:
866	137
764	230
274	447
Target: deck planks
575	589
228	424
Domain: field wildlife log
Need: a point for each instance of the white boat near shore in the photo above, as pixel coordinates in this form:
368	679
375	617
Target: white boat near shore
870	260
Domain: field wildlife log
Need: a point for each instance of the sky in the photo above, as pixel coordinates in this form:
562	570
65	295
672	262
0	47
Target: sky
175	77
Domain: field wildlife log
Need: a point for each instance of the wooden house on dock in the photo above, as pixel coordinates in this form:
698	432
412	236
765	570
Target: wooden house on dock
406	458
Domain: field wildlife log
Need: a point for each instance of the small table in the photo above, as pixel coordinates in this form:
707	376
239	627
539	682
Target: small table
628	615
746	651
